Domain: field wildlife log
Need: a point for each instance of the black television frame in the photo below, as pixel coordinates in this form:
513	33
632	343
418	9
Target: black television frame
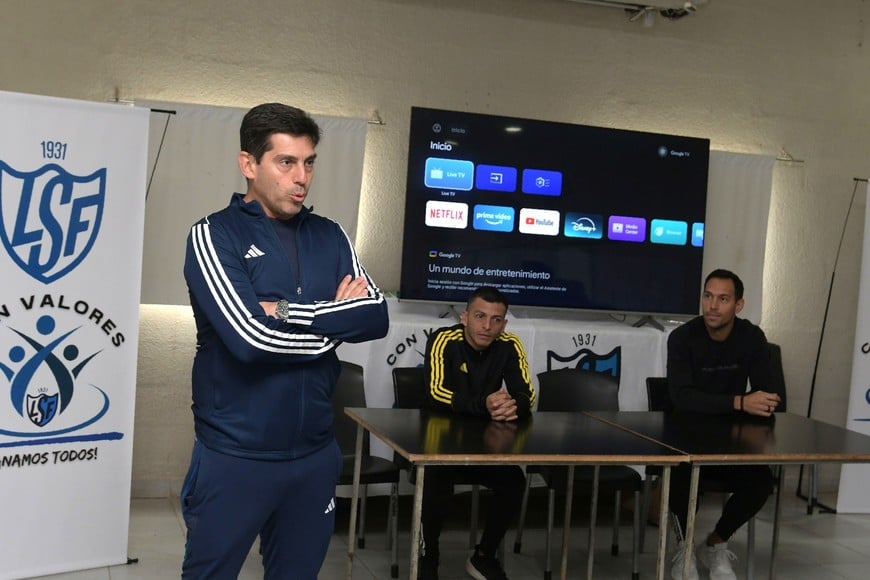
604	172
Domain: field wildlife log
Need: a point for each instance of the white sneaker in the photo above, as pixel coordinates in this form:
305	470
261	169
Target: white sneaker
718	559
679	557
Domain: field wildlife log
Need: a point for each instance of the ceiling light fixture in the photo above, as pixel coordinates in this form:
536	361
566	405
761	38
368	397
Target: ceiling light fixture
646	12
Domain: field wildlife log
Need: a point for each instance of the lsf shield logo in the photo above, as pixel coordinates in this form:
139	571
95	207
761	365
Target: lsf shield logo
588	360
50	218
41	408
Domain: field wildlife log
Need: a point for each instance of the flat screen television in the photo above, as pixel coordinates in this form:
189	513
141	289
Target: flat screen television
555	215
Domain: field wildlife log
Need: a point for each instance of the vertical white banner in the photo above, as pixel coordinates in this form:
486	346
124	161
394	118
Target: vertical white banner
72	197
855	478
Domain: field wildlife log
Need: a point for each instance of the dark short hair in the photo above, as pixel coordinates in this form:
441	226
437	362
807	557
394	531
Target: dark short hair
723	274
487	294
261	122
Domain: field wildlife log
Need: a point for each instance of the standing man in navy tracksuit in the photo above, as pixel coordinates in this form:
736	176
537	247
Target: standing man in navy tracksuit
274	289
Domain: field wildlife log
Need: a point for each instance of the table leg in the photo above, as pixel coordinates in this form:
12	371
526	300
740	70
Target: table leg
416	523
593	516
690	519
566	527
354	501
776	511
663	522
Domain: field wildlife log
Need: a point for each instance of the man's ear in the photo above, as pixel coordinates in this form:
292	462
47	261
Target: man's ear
739	306
463	318
246	164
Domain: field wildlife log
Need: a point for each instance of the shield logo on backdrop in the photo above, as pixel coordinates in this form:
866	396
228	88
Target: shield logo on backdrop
588	360
41	408
49	218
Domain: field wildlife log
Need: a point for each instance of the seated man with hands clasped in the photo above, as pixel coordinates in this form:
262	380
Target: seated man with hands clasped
710	359
476	368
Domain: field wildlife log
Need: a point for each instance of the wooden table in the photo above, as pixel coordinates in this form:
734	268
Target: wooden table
741	439
569	439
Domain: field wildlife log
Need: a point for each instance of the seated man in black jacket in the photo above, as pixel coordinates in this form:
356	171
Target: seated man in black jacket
476	368
710	360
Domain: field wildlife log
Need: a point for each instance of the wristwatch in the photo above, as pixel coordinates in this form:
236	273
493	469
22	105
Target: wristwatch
282	310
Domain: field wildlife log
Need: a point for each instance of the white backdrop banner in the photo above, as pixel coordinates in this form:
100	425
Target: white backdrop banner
72	195
197	170
853	496
738	205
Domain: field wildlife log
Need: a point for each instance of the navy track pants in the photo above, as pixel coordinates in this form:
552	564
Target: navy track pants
227	501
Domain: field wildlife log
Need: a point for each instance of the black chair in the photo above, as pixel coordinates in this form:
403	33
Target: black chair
350	392
409	389
777	385
572	389
777	377
658	399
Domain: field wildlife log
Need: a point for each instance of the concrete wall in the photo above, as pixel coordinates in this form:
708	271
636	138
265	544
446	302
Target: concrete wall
755	77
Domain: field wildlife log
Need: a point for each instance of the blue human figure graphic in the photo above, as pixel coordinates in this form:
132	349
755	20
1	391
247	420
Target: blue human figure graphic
42	408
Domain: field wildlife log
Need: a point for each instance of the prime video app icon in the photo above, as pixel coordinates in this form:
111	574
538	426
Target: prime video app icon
494	218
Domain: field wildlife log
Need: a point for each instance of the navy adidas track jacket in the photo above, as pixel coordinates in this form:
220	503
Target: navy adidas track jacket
262	386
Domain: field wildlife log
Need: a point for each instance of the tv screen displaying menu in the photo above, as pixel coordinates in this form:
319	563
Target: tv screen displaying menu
555	215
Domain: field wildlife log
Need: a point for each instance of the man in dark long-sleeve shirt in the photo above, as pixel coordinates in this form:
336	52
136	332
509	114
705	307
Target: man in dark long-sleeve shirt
476	368
710	360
